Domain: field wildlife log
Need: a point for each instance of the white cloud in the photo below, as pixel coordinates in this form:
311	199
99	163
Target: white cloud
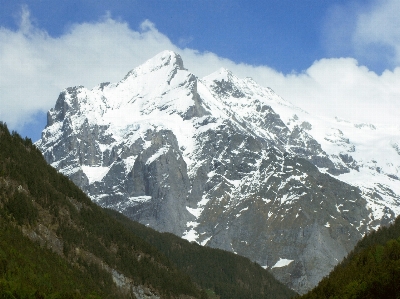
35	67
380	26
338	29
368	30
340	87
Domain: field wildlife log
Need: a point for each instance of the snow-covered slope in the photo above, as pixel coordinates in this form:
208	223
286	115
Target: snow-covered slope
368	153
227	163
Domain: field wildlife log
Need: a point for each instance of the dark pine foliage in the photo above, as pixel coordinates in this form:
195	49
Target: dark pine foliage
30	271
227	274
34	195
371	270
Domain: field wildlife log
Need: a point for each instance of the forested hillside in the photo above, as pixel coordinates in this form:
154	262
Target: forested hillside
372	269
227	163
56	243
30	271
50	210
230	275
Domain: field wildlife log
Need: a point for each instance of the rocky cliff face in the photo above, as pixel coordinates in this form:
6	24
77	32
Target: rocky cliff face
227	163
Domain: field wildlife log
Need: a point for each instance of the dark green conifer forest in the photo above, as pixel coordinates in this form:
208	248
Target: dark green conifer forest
371	270
78	237
56	243
230	275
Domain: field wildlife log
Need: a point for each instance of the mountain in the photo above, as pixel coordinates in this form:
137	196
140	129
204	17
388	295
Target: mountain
226	163
56	243
227	274
54	228
371	270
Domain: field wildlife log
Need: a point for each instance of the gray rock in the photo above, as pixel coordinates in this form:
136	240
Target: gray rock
230	175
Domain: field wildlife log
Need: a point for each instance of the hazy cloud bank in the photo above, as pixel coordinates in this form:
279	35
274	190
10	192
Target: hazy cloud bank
368	30
35	67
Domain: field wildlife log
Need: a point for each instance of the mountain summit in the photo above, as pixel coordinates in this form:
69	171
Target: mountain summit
226	163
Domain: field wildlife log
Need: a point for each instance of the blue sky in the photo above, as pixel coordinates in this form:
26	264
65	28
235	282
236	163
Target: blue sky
283	34
326	56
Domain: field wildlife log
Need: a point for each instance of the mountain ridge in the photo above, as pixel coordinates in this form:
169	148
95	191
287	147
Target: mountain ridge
226	163
55	242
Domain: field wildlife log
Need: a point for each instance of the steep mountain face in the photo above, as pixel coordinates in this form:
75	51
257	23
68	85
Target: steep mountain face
371	270
56	243
227	163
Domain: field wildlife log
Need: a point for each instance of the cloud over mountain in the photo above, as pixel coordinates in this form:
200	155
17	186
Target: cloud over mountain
35	66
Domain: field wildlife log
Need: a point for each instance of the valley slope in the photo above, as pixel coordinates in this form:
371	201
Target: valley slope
371	270
56	243
227	163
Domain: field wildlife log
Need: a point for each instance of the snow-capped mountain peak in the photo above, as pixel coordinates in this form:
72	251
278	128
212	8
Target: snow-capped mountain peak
219	75
165	59
227	163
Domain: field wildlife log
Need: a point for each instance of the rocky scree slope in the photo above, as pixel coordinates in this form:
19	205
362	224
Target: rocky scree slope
226	163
